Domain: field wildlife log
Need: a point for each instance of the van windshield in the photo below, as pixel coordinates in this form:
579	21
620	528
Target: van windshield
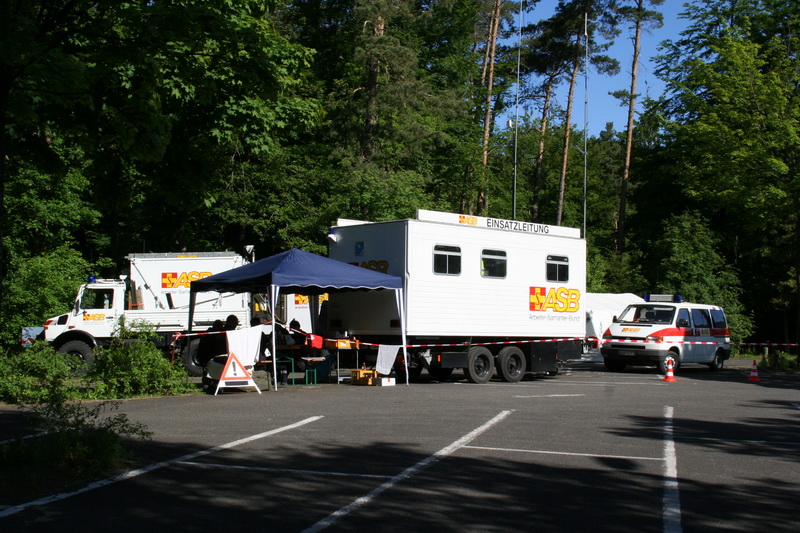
648	314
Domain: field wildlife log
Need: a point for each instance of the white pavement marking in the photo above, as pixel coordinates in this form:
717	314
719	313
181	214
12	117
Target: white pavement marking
550	396
547	452
405	474
286	470
133	473
672	497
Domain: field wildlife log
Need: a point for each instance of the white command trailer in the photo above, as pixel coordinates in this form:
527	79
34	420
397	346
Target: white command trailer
480	293
154	290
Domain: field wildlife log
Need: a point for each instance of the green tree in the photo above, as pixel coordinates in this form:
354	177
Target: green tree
122	123
732	127
691	265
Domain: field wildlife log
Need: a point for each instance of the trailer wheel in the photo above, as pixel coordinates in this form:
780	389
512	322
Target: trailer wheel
189	356
80	350
480	365
511	364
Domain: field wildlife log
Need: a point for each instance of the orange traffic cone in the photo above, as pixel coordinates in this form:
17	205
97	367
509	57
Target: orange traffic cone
670	376
754	372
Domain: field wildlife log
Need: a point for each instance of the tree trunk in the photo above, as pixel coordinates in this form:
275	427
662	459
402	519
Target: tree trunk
537	180
488	76
623	190
371	113
562	186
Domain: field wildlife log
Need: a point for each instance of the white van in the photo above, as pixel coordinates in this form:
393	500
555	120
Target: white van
664	329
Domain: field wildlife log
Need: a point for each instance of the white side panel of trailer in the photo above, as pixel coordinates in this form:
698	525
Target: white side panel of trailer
161	280
469	304
378	246
466	304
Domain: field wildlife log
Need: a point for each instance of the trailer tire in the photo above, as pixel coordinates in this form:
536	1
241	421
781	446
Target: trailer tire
189	356
79	349
511	364
480	365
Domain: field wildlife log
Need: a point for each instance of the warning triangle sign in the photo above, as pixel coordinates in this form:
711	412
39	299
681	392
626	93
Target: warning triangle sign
235	375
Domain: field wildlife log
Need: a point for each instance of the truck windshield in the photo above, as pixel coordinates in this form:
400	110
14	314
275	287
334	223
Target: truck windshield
648	313
97	299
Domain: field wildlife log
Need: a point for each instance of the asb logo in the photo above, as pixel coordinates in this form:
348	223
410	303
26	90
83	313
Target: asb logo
467	219
560	300
173	280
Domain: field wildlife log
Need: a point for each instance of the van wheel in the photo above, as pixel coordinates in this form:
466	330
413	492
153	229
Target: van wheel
614	365
480	365
718	361
511	364
663	363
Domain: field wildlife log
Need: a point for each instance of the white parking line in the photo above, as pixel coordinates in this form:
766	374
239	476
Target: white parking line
672	498
405	474
550	396
133	473
548	452
285	470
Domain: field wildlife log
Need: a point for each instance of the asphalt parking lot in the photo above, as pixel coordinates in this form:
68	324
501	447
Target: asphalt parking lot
586	450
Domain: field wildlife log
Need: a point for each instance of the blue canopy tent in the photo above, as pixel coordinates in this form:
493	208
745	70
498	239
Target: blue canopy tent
299	272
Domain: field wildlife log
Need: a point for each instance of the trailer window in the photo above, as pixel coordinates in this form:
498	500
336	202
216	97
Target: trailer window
557	268
446	260
493	264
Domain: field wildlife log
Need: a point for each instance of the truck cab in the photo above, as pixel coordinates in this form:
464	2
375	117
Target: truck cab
94	315
664	329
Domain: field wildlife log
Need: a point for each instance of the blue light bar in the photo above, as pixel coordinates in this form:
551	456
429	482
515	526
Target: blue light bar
673	298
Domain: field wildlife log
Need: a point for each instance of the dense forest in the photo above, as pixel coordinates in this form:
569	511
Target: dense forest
199	125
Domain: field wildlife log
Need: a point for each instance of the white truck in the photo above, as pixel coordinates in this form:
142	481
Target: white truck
480	293
154	290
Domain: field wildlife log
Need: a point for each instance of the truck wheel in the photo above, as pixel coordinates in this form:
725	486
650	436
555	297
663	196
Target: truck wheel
189	356
663	363
79	349
438	373
614	365
480	365
718	361
511	364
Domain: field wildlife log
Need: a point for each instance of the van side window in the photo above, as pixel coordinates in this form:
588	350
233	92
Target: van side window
683	319
718	319
493	264
701	319
447	260
557	268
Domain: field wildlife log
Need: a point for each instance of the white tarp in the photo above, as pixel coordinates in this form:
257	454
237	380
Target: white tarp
601	308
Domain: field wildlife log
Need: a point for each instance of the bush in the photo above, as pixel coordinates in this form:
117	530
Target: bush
780	362
131	365
77	442
37	374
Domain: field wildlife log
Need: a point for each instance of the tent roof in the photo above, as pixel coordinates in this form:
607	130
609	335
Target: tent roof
297	272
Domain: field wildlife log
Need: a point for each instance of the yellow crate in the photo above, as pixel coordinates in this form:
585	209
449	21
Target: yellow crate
358	374
363	381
